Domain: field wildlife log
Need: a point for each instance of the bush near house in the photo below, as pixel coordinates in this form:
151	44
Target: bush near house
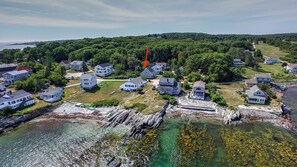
171	99
267	89
215	96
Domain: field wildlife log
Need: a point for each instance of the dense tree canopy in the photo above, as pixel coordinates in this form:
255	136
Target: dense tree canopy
207	55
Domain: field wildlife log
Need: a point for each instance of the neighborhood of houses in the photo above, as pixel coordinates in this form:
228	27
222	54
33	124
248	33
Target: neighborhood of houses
20	98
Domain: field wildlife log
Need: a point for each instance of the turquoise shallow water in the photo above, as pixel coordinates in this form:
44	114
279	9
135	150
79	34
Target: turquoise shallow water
61	142
167	153
47	143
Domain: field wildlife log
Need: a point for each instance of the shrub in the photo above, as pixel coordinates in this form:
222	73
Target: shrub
194	76
7	111
186	86
138	106
105	103
216	97
171	99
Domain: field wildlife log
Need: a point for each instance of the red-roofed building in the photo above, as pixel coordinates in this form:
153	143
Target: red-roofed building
65	63
24	68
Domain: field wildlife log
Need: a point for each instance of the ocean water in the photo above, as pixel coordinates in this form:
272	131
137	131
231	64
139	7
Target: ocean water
10	46
48	143
290	99
168	156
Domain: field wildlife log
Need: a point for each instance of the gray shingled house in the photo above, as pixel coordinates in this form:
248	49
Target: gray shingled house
169	86
256	96
148	73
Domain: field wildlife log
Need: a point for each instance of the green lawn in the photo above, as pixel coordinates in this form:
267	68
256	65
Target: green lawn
273	69
150	98
228	91
278	74
271	51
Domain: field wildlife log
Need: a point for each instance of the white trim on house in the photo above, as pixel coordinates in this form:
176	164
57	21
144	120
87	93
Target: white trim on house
88	81
12	76
132	84
14	100
256	95
51	95
292	68
104	69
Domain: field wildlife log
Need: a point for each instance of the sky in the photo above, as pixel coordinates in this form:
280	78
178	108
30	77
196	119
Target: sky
39	20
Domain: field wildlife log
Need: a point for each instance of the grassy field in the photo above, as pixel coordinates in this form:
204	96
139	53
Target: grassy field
278	74
150	98
228	91
74	81
270	51
233	99
273	69
38	104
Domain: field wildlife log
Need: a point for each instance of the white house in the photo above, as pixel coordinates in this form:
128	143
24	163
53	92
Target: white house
270	61
292	68
77	65
238	63
65	63
15	100
104	69
2	87
51	95
132	84
256	95
198	91
88	81
12	76
162	64
158	68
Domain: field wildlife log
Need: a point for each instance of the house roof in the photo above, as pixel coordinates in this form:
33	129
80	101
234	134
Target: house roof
16	72
7	65
52	91
269	58
136	81
160	63
236	59
199	84
150	70
65	62
251	92
14	95
251	81
167	80
292	65
263	75
76	62
157	65
87	76
23	68
105	65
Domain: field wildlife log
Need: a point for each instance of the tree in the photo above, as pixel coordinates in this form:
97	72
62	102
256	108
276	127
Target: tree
57	79
194	76
60	53
186	85
168	74
85	67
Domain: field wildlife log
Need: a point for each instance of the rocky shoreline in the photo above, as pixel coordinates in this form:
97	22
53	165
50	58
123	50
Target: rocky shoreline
8	123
